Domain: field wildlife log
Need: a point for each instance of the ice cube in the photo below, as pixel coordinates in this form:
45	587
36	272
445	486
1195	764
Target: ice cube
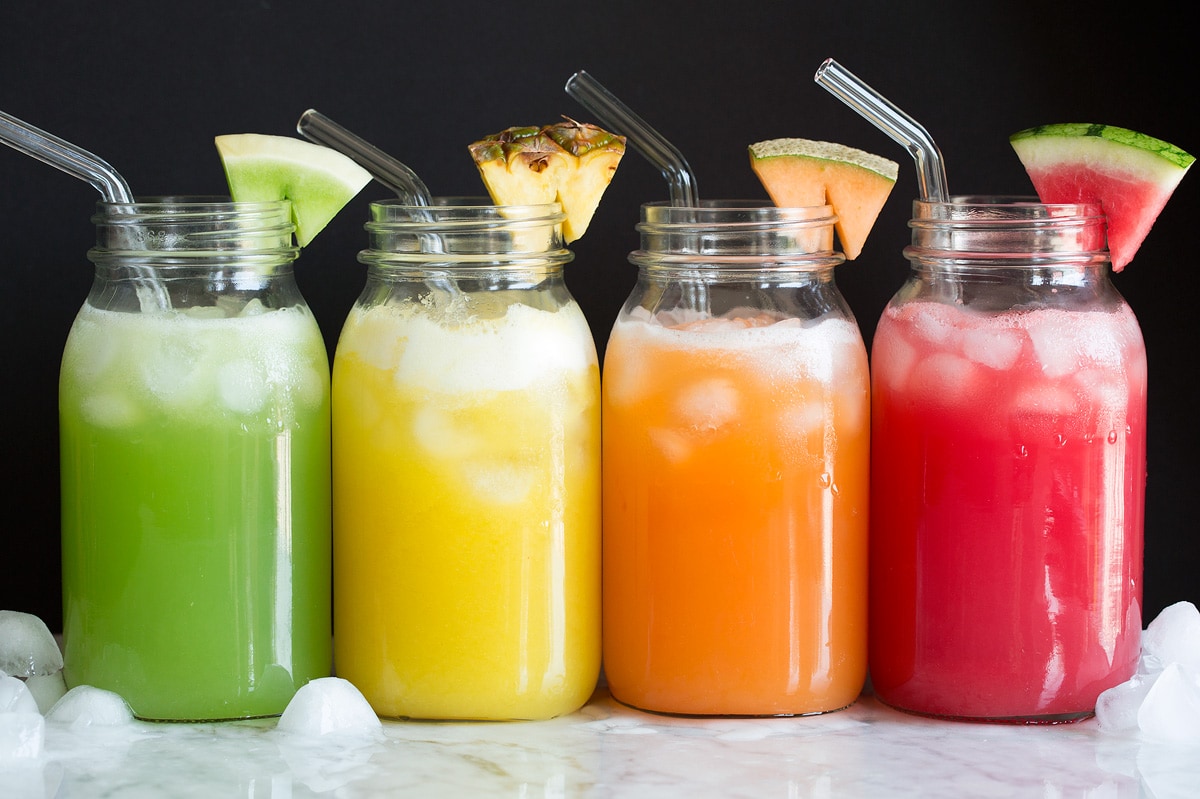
1117	708
672	445
87	706
1055	342
1174	637
893	361
329	705
22	736
947	380
707	405
996	349
440	436
47	689
15	697
242	386
110	410
1039	410
171	370
27	648
501	483
932	322
1171	710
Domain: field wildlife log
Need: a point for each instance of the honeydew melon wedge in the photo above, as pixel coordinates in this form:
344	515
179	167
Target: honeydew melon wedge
805	172
1130	174
317	180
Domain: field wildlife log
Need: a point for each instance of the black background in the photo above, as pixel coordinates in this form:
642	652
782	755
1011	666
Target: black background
146	85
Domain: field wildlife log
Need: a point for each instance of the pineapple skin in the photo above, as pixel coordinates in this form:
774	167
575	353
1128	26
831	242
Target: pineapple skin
568	162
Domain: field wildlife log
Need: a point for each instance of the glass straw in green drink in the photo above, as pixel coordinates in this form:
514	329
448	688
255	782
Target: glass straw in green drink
883	114
618	118
80	163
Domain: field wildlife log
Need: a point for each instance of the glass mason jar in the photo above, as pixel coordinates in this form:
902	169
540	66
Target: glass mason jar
194	425
735	445
467	469
1009	449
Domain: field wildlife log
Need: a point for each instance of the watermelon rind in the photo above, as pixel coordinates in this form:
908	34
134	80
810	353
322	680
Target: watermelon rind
1140	144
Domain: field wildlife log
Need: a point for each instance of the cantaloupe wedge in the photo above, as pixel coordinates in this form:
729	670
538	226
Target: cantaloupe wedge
804	172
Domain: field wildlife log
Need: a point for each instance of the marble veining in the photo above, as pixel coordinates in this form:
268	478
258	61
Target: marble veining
607	749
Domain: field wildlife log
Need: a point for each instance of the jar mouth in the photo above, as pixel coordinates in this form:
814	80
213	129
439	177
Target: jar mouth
465	233
461	211
736	234
1006	230
989	208
193	226
720	213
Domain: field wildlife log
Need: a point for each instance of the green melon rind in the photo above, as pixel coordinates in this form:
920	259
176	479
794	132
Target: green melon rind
318	181
1139	153
826	151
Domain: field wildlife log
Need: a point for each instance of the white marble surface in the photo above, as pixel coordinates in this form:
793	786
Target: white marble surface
607	749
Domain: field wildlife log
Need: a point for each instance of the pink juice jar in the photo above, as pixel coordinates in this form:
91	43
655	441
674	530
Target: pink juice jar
1008	468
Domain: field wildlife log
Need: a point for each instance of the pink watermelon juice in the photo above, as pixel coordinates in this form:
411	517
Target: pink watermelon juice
1008	458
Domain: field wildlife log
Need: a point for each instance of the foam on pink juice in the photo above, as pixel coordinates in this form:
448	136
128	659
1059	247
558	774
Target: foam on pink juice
1008	468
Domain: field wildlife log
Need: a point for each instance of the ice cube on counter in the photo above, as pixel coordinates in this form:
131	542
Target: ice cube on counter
87	706
1162	701
329	705
27	647
22	736
15	697
1174	637
47	689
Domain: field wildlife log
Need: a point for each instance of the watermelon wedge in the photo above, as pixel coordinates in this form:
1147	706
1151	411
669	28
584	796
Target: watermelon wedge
318	181
1131	175
803	172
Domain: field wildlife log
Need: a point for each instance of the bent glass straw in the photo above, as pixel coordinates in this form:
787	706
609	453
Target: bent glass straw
883	114
320	129
63	155
618	118
79	163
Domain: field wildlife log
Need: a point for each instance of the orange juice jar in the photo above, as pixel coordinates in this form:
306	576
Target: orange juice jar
735	437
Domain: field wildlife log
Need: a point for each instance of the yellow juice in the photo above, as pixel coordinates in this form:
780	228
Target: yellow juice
466	476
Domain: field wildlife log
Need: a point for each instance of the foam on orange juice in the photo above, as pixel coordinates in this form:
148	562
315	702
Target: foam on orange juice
735	511
466	482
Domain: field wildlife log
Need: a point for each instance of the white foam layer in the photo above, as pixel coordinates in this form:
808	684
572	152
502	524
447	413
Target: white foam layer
426	351
790	347
127	363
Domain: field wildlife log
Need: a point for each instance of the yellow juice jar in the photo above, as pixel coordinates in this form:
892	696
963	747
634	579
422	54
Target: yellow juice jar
466	469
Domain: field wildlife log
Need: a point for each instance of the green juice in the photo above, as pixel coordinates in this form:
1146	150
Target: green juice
196	509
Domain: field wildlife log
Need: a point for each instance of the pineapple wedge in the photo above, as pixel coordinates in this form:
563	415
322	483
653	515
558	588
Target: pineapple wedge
569	162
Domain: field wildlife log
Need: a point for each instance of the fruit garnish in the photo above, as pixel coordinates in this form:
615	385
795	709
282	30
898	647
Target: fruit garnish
568	162
317	180
1131	175
802	172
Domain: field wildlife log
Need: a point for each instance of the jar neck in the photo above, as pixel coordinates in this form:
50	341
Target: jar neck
974	235
734	240
465	238
193	254
193	235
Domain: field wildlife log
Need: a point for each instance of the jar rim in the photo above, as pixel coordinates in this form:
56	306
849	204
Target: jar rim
982	207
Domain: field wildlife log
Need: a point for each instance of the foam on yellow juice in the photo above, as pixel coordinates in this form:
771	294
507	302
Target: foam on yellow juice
467	509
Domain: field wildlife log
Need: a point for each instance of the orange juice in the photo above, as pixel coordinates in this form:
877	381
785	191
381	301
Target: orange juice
735	513
467	508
